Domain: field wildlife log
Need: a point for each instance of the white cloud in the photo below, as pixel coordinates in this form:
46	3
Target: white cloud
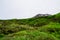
27	8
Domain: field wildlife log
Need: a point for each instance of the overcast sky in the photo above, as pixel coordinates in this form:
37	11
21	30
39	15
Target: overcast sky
27	8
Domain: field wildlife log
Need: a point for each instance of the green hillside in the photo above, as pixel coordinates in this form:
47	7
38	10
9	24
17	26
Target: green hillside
40	28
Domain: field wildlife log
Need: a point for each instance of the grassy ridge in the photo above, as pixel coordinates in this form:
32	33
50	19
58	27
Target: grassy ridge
41	28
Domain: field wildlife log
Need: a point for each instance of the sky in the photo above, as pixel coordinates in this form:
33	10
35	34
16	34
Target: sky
27	8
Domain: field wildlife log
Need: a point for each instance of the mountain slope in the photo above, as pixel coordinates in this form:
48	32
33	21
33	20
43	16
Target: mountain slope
35	28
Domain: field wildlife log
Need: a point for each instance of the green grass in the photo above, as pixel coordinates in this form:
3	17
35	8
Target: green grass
41	28
32	35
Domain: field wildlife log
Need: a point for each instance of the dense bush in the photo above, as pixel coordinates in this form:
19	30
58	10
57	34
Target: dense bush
41	28
24	35
11	29
52	28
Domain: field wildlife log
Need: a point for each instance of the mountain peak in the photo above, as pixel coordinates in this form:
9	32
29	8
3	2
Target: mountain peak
41	15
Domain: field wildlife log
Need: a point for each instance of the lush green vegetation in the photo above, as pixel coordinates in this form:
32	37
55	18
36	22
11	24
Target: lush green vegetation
41	28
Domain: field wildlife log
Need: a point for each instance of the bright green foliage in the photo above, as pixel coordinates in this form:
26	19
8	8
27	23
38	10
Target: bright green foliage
52	28
41	28
36	35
